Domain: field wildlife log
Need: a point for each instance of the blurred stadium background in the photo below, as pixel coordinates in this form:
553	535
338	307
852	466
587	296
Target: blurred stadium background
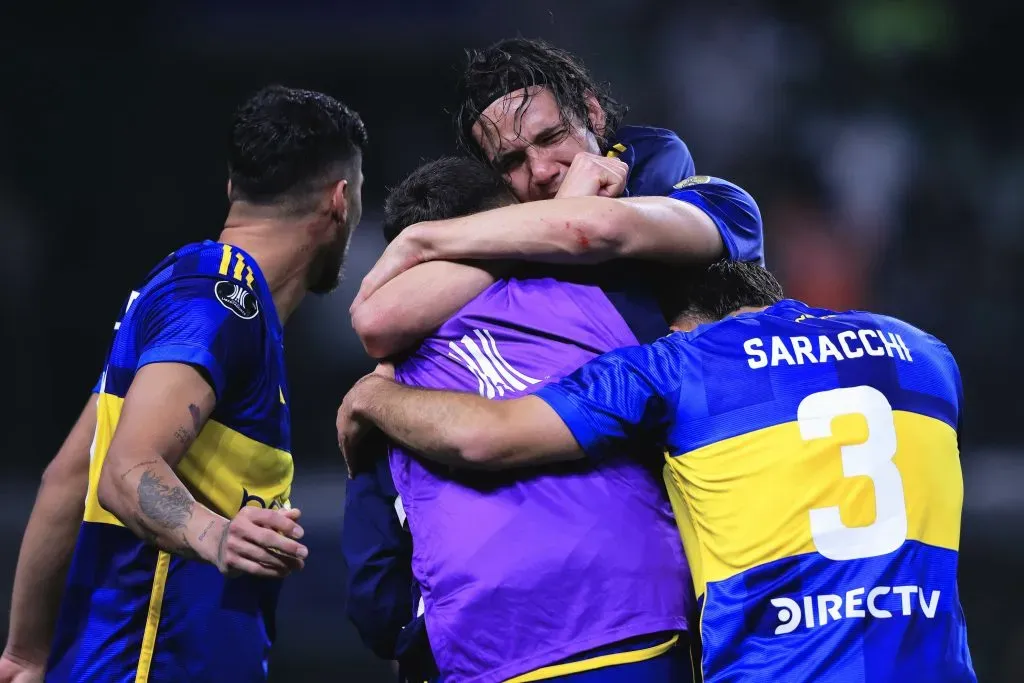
881	138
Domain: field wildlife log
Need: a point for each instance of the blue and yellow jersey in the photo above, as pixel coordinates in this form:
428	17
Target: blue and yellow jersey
813	464
131	612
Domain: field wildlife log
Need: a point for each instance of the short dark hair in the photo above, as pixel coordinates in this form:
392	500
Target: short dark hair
285	141
716	291
516	63
445	188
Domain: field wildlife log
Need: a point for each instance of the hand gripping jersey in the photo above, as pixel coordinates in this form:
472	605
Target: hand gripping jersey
519	574
813	466
132	613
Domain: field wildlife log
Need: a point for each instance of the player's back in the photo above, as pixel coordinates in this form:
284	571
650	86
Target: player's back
520	573
813	465
131	612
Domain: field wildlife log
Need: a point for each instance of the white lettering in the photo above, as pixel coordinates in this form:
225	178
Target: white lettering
759	358
799	350
872	350
826	348
890	344
780	353
906	350
928	607
853	602
905	592
850	353
794	612
802	346
828	606
878	611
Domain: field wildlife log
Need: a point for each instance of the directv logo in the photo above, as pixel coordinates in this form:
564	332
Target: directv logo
853	605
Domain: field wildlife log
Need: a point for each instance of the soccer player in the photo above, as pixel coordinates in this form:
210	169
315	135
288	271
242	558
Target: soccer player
812	461
186	528
487	614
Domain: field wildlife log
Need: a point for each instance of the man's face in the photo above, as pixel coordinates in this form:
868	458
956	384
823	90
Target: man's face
533	148
330	262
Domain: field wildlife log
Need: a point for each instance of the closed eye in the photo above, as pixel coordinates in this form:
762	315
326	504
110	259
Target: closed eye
508	162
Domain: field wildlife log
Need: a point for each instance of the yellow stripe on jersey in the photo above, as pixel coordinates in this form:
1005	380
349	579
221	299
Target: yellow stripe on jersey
747	501
616	150
156	601
223	469
599	662
239	266
225	260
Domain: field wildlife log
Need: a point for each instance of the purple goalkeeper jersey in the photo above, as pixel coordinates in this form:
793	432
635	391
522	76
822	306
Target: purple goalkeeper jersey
519	573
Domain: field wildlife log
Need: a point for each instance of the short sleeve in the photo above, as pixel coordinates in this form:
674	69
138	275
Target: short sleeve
214	325
733	211
622	396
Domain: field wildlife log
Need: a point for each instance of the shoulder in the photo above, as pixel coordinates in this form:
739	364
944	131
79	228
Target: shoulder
205	273
657	159
911	333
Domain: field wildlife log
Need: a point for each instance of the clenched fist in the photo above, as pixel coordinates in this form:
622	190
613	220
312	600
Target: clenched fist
592	175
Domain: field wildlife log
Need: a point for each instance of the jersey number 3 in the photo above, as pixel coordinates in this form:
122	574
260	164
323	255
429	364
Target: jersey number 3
873	459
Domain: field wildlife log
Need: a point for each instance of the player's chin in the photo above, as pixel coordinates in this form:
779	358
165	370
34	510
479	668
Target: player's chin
328	276
326	285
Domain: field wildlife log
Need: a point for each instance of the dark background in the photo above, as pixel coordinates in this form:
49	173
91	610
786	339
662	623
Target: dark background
881	138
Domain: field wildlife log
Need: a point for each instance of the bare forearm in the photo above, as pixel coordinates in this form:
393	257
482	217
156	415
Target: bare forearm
577	230
148	498
431	423
465	430
414	304
46	551
551	231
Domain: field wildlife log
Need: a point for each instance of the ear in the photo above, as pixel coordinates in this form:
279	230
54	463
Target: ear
339	202
229	189
596	114
684	323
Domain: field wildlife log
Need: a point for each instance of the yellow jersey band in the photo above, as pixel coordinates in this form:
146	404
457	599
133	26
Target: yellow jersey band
749	500
599	662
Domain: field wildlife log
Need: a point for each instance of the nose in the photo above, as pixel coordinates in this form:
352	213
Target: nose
545	172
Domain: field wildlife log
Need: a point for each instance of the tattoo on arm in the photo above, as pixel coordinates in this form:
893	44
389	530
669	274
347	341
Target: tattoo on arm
183	434
170	507
135	467
209	526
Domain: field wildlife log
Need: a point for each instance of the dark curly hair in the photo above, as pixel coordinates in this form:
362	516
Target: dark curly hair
517	63
284	141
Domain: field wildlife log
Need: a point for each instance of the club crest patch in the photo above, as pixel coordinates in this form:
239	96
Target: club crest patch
692	180
237	299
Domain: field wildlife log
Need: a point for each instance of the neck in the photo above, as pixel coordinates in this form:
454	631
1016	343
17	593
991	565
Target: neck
688	323
280	247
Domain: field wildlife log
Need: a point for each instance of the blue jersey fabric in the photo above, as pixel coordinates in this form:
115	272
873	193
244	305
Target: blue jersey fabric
130	611
813	465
